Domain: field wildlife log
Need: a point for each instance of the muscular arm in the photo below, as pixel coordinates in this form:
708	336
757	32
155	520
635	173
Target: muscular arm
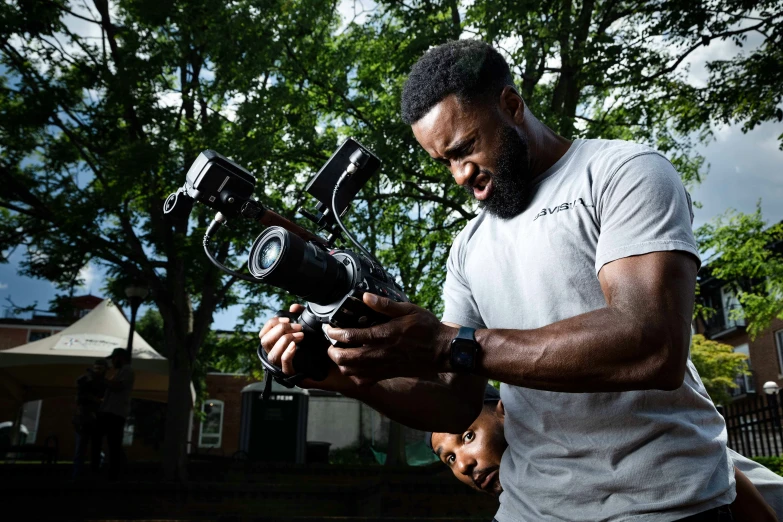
749	504
437	402
447	404
638	341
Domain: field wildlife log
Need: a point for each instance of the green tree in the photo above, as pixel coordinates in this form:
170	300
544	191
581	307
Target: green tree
747	254
718	366
102	109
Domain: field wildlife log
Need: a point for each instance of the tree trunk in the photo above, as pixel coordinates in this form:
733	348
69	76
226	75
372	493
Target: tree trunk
180	402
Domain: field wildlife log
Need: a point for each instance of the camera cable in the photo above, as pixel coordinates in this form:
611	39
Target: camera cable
218	222
352	167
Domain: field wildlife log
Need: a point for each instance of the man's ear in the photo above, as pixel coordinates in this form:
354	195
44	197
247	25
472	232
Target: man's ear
500	411
512	104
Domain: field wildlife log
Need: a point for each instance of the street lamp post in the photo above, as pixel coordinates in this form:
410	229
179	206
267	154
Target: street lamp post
772	390
135	294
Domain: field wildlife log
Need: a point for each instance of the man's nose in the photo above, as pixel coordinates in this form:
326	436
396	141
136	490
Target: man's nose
463	172
466	463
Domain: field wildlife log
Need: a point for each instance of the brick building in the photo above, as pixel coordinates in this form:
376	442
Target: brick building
727	325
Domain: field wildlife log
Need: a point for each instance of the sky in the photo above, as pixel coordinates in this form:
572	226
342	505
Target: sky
743	169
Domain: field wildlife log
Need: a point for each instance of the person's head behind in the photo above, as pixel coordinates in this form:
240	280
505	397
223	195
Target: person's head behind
465	112
99	367
474	456
118	357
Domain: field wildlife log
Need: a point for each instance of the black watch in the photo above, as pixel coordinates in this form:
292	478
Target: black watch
464	350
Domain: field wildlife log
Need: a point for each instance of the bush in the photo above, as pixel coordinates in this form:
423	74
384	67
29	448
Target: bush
775	464
355	455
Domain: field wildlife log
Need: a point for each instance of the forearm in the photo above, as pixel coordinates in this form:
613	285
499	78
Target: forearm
749	504
603	350
448	403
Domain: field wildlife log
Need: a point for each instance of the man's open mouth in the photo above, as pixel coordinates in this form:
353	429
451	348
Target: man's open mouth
486	479
482	186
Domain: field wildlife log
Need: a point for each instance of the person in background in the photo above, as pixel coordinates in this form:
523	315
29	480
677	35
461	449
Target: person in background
114	411
474	459
90	389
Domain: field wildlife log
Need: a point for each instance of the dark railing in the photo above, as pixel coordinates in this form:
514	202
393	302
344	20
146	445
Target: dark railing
721	321
754	426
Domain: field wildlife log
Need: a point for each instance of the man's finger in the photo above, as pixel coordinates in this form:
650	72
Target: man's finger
275	355
269	339
271	324
386	306
358	357
296	308
358	336
287	359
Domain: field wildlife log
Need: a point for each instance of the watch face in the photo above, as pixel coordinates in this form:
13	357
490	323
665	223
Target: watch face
463	353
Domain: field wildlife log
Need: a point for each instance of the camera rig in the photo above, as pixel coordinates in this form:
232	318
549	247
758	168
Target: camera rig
331	280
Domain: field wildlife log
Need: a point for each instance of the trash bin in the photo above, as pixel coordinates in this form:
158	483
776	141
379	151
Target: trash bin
318	452
274	430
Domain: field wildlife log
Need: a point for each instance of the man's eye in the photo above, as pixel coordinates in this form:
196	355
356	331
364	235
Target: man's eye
450	459
469	436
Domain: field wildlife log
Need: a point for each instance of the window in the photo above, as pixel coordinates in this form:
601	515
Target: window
31	415
211	430
128	430
732	310
36	336
779	343
746	383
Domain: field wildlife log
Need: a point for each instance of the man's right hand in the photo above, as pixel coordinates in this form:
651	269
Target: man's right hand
279	338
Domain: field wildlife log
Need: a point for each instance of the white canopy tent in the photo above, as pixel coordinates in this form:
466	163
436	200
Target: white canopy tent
49	367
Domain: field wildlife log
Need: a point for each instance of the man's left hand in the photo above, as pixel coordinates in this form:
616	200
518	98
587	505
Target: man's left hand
413	343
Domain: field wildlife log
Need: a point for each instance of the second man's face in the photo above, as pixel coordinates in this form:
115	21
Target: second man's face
474	456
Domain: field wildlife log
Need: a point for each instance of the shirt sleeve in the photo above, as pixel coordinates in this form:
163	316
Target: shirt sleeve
459	305
642	208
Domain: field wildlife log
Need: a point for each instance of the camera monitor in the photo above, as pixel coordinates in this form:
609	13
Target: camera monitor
322	185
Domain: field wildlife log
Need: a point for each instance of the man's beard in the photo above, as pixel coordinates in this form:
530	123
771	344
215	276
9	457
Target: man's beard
511	179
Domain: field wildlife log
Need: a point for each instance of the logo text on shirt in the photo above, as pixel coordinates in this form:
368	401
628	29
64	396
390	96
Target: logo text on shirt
563	206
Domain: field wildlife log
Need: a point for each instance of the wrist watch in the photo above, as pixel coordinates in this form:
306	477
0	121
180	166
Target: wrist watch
464	350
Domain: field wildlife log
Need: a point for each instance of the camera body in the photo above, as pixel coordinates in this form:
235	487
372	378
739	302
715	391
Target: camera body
332	281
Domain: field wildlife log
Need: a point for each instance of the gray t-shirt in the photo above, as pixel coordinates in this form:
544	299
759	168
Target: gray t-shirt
118	402
768	483
641	455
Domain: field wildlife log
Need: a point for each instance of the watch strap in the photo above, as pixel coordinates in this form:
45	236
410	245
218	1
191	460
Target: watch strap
467	333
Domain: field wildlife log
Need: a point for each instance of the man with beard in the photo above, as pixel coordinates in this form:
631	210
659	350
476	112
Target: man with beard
474	458
574	287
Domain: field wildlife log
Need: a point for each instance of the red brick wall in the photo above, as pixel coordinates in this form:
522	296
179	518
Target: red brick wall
226	388
764	356
12	337
763	353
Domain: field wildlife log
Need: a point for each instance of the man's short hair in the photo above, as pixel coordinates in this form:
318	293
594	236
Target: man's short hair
491	396
470	69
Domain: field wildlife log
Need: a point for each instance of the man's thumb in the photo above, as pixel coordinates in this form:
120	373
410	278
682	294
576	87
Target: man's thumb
386	306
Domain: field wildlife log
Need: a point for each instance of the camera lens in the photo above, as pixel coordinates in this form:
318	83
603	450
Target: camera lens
282	259
270	251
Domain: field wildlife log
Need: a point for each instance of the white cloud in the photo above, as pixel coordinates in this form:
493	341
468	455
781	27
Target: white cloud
743	169
355	11
91	276
3	286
